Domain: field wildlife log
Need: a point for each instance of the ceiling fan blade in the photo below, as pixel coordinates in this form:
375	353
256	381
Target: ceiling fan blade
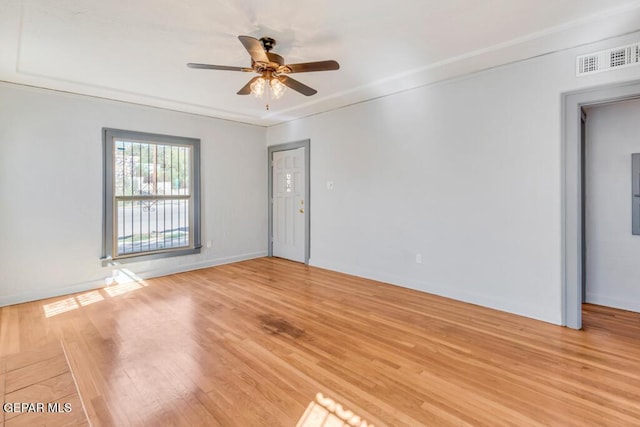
246	89
306	67
254	47
218	67
297	86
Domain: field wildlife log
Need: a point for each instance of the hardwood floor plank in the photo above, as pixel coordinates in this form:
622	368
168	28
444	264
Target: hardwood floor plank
34	373
38	387
39	354
9	332
255	342
51	390
2	393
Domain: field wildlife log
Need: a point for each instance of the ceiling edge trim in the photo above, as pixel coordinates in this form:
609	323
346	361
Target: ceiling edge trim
139	104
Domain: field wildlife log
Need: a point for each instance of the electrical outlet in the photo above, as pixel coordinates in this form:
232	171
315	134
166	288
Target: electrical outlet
418	258
209	244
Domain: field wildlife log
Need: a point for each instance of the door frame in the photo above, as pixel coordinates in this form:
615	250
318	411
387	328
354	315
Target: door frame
306	143
572	191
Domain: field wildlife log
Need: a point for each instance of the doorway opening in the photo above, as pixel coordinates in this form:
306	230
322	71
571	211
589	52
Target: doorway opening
611	196
573	261
289	201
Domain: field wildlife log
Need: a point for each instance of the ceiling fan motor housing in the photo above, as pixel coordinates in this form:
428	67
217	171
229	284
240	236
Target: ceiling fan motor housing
268	43
275	62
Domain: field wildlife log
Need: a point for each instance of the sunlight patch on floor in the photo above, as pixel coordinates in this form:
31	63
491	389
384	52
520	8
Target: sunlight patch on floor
326	412
121	288
59	307
89	298
123	281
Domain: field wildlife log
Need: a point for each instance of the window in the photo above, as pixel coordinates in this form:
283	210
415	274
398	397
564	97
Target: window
151	195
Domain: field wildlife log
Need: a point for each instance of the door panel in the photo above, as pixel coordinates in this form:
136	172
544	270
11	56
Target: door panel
289	204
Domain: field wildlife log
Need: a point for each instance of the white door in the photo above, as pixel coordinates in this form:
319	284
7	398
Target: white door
289	207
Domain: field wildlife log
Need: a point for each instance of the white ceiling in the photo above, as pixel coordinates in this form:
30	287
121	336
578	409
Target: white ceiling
136	50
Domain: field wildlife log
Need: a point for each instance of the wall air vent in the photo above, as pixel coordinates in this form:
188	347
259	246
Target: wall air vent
605	60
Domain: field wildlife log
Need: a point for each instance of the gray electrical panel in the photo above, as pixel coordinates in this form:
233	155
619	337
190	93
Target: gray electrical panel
635	193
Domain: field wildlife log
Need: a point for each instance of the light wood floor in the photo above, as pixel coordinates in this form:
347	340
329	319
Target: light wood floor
39	389
271	342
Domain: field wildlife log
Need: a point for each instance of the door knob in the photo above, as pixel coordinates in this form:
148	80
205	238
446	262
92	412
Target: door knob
301	210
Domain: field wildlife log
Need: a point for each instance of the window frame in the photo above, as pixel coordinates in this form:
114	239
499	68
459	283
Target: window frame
109	248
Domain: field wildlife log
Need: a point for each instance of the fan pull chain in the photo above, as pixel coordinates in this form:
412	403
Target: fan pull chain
267	90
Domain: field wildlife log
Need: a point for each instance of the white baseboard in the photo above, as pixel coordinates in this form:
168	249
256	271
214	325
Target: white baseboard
50	293
533	311
607	301
158	272
96	284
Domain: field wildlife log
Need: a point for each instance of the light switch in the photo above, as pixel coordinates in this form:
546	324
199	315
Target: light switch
329	185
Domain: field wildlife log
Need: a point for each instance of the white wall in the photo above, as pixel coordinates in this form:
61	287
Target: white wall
51	189
613	253
466	172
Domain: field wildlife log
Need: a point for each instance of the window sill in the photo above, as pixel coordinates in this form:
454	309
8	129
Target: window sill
108	261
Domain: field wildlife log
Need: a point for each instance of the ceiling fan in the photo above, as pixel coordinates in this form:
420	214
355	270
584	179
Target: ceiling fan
273	72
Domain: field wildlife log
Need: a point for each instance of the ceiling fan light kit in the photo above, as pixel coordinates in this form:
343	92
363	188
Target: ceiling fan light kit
273	79
267	84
